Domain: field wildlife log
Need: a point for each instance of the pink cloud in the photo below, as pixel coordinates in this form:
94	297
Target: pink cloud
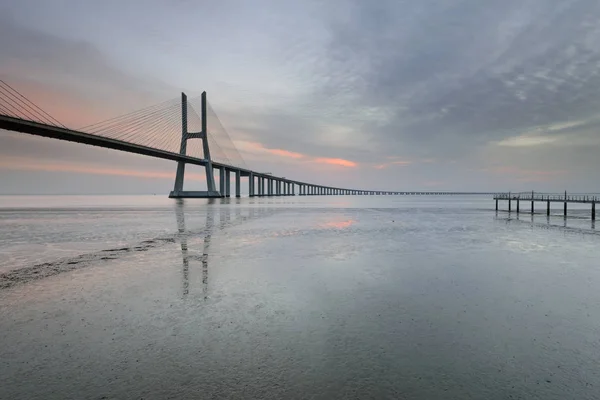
259	148
336	161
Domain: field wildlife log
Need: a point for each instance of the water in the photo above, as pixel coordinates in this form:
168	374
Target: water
305	297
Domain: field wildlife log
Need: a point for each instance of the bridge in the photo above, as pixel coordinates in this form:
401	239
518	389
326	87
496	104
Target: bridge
168	131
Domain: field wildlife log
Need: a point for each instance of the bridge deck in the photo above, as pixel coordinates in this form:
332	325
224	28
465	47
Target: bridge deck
49	131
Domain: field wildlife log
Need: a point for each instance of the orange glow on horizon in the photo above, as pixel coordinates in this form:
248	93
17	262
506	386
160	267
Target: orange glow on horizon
69	108
27	164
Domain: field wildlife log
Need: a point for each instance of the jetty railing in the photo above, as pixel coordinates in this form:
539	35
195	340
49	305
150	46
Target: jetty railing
565	198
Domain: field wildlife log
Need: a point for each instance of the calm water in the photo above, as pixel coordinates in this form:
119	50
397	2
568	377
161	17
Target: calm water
296	298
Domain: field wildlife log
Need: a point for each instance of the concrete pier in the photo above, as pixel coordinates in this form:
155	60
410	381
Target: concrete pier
251	184
222	181
227	183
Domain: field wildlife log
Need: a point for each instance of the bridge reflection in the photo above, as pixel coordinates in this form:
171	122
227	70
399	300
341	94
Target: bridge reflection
217	209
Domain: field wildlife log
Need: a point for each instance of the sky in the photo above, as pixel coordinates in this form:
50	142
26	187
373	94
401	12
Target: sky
491	95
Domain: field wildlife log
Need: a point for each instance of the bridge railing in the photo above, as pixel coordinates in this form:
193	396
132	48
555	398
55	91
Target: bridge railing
542	196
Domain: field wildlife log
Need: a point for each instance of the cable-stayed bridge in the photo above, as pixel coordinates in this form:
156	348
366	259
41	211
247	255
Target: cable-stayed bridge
181	130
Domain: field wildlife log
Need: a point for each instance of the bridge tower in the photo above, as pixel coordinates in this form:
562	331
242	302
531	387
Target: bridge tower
178	191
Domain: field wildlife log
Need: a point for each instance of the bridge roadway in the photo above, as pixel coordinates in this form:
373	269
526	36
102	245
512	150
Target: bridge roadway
260	184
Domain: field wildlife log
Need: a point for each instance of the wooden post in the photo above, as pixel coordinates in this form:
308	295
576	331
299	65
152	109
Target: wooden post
509	204
518	201
548	206
593	211
496	204
532	206
565	209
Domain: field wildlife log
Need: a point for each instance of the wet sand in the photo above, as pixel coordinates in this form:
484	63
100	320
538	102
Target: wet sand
278	299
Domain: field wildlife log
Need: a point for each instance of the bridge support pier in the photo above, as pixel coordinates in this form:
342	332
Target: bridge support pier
222	181
211	190
238	174
496	204
251	185
227	183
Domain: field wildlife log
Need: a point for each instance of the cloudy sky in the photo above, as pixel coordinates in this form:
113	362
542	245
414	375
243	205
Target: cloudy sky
386	94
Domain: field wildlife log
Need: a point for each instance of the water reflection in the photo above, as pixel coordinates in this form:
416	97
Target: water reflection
571	224
339	224
183	238
224	208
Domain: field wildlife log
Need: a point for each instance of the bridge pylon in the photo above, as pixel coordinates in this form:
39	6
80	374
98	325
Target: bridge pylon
178	191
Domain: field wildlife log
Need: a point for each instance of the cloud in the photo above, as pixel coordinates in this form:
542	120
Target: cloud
526	141
71	79
255	148
450	77
336	161
392	163
527	175
468	84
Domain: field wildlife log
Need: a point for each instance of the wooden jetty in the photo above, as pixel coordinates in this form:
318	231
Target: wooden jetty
548	198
